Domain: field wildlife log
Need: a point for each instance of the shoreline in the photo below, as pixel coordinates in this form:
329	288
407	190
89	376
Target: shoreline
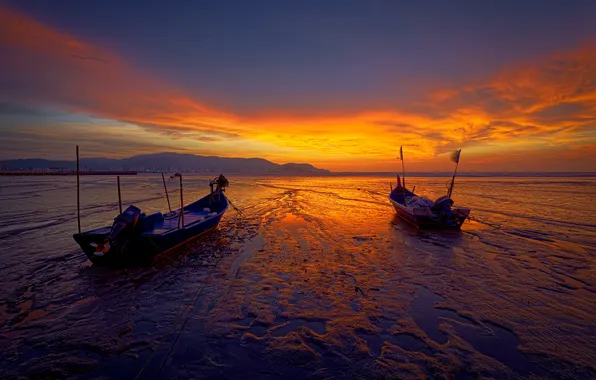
65	173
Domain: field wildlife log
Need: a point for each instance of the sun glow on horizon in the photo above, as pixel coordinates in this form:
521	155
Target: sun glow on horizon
531	116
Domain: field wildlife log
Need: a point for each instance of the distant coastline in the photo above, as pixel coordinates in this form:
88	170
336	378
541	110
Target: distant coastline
190	164
468	174
63	172
162	162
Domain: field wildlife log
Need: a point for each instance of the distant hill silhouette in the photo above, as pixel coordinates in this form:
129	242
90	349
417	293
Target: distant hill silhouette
170	162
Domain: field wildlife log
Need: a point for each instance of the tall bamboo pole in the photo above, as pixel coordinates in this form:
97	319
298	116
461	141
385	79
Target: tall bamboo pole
119	196
181	202
166	189
78	193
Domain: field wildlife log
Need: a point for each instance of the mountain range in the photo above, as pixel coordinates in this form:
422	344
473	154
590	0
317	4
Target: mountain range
170	162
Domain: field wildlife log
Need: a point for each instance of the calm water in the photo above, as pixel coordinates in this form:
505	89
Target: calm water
319	281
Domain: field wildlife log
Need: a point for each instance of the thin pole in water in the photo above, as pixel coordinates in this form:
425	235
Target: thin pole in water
78	193
181	202
166	189
119	196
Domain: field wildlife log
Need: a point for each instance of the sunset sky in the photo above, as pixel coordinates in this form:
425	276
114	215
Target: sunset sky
338	84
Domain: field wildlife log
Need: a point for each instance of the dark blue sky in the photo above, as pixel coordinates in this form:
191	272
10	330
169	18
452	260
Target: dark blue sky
320	54
338	83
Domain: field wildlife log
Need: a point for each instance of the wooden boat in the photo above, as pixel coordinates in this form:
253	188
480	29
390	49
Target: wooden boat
422	212
138	238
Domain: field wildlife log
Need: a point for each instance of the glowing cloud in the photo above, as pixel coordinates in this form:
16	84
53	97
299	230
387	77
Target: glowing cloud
44	66
546	108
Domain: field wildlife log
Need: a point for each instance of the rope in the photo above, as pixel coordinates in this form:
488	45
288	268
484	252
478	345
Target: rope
191	303
234	207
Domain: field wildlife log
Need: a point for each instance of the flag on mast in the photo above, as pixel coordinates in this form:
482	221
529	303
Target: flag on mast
455	156
401	153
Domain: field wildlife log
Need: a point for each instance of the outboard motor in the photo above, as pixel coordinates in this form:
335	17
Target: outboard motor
123	224
442	204
442	207
221	182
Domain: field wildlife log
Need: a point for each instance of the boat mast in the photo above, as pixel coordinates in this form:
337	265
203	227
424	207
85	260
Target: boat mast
455	158
403	169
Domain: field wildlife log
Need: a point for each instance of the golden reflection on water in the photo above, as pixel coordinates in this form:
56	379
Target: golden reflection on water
322	279
351	275
293	221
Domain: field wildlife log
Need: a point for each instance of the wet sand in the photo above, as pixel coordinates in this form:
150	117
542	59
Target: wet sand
321	280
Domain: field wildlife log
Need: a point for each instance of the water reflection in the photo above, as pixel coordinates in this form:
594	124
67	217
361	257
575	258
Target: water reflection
321	279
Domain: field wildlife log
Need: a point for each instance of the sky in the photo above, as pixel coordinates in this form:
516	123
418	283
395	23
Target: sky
339	84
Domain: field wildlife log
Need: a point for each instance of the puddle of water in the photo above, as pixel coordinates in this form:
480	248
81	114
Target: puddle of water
411	343
490	339
426	316
248	251
293	222
501	344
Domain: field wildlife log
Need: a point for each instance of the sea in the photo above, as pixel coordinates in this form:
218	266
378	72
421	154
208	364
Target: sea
314	278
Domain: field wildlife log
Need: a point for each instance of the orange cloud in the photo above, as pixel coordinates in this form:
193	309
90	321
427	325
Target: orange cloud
550	103
583	152
45	66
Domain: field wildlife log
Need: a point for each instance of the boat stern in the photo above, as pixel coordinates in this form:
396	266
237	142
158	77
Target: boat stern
461	213
94	244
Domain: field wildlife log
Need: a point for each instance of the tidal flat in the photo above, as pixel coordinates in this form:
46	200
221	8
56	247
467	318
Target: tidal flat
319	279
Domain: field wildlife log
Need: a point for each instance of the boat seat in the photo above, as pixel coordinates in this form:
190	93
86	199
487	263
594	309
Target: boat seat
422	211
146	223
159	231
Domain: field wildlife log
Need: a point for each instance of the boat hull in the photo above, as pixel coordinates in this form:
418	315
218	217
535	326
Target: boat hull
425	217
155	236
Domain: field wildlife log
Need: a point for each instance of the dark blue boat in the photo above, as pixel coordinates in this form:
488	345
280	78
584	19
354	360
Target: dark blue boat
136	238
